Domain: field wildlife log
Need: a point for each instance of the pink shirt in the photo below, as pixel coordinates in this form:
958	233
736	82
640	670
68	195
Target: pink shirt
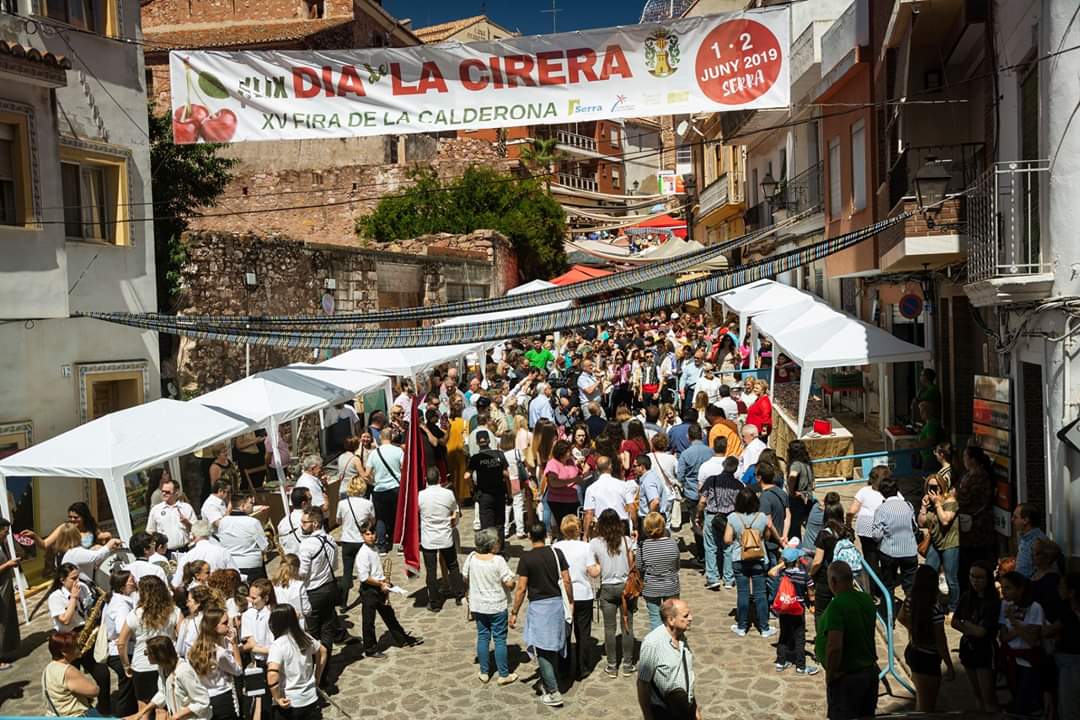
567	494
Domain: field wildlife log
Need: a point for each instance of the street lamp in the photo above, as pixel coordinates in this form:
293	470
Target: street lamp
769	187
931	182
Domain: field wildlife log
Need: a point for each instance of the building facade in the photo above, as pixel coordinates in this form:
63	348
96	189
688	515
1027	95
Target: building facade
76	224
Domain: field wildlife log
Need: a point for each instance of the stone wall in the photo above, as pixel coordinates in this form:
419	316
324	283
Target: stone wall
291	278
328	200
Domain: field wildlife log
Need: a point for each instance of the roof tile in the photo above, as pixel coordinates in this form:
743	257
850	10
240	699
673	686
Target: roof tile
34	55
243	34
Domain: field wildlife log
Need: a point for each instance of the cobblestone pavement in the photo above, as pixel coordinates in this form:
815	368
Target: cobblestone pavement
735	676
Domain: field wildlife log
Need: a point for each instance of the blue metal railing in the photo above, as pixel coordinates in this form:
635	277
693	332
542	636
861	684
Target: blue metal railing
887	623
856	456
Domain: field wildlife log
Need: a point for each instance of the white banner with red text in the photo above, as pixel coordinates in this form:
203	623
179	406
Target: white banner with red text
734	61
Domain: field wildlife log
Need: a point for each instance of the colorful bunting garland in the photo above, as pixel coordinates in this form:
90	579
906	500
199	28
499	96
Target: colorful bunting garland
497	330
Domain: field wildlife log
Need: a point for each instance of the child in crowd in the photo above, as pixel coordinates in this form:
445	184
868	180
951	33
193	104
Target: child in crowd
792	599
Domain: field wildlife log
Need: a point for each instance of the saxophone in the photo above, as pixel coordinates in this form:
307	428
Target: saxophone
88	635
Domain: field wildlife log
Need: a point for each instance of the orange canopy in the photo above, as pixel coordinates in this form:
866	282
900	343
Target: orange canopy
577	273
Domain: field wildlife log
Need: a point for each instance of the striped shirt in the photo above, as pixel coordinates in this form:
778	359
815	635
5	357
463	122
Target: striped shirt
660	567
894	528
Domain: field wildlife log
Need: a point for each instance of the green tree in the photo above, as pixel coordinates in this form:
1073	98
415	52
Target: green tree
481	198
540	156
185	178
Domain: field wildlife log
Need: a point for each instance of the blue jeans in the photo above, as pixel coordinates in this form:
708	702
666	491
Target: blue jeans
747	573
950	559
652	605
772	584
546	661
491	627
712	560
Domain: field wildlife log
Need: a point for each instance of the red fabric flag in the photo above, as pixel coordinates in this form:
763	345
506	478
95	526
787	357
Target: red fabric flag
407	525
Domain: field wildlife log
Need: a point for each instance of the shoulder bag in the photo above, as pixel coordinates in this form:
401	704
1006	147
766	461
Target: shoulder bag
568	607
676	519
634	584
378	451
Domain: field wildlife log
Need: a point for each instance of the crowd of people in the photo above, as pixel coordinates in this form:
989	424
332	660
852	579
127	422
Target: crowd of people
611	454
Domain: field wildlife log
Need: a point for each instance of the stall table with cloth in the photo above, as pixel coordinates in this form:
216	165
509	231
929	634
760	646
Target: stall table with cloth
838	444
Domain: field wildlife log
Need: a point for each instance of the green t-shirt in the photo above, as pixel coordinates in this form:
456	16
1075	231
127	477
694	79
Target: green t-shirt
853	612
539	359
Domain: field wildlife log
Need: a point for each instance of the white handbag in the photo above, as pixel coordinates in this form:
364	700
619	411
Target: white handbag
568	607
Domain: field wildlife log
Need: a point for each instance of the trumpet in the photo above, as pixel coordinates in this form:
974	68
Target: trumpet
88	635
272	533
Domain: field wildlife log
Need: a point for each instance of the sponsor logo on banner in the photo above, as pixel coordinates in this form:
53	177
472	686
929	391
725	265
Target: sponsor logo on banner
737	60
620	104
662	53
576	108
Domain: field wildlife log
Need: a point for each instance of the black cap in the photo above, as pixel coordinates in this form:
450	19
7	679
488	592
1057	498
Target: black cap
482	436
483	401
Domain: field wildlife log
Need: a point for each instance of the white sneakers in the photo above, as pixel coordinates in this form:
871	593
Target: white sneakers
552	699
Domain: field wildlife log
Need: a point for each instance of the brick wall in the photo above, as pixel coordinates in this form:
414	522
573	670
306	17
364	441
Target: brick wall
291	277
158	13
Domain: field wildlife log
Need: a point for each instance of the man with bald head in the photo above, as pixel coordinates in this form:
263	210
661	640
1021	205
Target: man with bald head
665	685
846	648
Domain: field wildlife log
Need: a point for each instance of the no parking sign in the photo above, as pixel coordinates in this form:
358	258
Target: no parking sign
910	306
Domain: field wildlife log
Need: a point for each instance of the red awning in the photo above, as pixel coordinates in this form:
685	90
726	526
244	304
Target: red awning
664	222
578	273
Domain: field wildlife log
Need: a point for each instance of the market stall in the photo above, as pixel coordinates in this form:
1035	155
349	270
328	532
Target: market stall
762	297
836	443
817	337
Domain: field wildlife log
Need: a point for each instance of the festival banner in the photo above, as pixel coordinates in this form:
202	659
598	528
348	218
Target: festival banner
733	61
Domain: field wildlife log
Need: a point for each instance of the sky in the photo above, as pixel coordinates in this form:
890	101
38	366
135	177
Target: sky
522	15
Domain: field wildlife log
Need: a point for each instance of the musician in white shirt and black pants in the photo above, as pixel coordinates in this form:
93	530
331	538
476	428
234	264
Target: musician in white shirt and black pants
374	589
318	554
244	538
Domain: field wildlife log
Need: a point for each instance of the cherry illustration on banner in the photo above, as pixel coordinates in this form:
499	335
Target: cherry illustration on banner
738	62
192	120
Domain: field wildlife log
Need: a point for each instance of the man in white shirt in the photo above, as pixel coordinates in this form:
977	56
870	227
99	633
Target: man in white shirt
318	554
727	403
216	505
438	517
540	406
204	548
244	538
171	517
374	590
310	479
752	449
288	529
589	387
142	547
609	491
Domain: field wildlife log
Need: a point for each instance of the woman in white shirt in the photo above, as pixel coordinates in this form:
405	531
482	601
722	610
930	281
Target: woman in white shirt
215	658
255	633
289	589
155	615
862	508
293	667
579	558
70	600
515	461
179	690
488	578
199	599
352	513
121	602
611	558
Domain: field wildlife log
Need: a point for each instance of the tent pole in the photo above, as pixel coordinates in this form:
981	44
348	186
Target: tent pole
117	494
806	379
174	470
273	437
20	581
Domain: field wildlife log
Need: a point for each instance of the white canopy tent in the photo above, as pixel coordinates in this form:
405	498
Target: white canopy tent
391	361
759	297
268	399
122	443
817	337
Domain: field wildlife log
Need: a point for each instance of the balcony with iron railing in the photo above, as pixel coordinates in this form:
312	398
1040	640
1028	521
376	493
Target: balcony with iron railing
964	162
1005	259
796	195
727	189
576	182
